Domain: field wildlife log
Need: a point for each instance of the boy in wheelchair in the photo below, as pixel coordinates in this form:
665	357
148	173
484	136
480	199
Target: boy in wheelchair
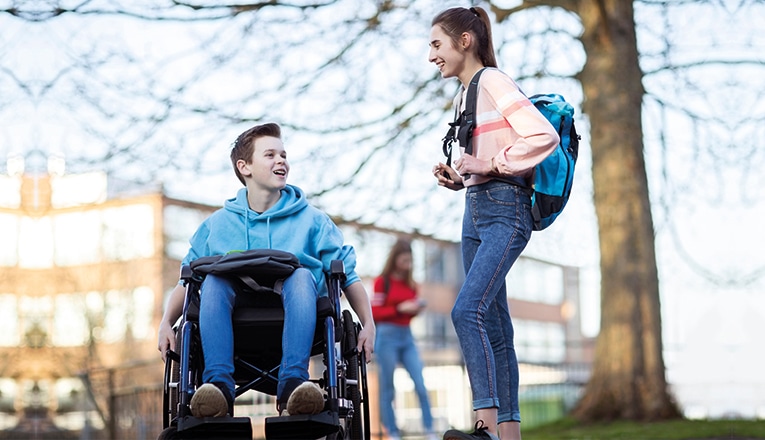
266	214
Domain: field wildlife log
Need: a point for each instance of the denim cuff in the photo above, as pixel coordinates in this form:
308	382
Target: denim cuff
485	403
513	416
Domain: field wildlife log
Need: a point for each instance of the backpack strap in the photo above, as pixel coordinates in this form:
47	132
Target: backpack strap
450	137
467	118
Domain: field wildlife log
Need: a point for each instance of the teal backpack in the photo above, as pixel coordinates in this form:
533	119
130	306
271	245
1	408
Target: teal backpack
554	176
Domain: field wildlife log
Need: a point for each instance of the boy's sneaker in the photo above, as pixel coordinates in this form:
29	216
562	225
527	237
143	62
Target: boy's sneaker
307	398
480	432
208	401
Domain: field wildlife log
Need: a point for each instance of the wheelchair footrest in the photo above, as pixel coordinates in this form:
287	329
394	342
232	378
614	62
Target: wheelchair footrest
214	427
305	426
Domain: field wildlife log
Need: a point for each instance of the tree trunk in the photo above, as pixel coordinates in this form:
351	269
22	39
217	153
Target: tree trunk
628	378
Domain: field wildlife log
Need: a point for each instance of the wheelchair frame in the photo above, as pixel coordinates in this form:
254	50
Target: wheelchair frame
344	380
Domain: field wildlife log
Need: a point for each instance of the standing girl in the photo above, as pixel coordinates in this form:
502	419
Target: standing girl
394	305
510	138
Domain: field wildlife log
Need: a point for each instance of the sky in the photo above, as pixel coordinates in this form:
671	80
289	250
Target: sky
706	178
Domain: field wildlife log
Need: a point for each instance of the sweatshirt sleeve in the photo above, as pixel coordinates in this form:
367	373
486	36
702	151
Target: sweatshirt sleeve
532	137
330	247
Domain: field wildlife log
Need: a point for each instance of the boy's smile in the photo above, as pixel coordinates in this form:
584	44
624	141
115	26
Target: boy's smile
268	167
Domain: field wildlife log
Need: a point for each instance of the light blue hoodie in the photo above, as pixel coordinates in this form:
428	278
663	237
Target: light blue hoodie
290	225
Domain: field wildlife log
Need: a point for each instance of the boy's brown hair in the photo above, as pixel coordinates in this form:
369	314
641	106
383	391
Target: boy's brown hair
245	144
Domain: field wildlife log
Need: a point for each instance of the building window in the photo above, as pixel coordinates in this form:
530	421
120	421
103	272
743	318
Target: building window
127	310
128	232
179	225
77	237
142	313
536	281
70	321
35	243
35	315
10	191
9	321
538	341
9	236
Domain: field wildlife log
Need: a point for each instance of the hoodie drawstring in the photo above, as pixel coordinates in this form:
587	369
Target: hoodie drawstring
247	228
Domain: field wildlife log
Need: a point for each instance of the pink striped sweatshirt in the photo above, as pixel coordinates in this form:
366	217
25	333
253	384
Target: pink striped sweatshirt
508	127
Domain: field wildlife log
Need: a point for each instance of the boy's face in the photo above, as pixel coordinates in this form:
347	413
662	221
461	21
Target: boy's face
268	167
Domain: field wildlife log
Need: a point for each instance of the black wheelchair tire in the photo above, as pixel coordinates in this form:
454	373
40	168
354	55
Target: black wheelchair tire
169	434
170	394
356	428
175	377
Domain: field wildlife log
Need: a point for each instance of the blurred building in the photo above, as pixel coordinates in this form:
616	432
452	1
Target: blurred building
86	264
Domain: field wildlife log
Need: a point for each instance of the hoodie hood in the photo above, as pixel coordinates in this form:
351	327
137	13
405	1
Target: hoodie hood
291	201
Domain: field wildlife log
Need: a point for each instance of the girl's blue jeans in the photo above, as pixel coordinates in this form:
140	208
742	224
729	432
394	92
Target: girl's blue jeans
217	299
394	344
495	229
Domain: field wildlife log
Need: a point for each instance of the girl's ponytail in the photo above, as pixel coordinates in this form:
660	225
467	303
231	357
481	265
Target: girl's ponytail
476	21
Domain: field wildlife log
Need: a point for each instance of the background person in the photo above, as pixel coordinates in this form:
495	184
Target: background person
394	304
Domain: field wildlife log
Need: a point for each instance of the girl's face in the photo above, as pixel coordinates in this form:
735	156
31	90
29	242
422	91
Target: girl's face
449	60
404	261
268	166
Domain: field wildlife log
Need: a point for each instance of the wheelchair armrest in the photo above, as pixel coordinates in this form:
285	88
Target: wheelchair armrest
186	272
337	268
188	275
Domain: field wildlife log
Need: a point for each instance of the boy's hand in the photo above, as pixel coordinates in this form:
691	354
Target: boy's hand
448	177
166	339
367	340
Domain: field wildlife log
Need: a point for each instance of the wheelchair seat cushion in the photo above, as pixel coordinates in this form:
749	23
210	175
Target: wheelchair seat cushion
258	269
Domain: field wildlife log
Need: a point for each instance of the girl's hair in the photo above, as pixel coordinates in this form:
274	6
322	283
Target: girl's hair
475	20
402	246
245	144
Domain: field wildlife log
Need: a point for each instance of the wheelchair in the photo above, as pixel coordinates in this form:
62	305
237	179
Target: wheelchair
258	320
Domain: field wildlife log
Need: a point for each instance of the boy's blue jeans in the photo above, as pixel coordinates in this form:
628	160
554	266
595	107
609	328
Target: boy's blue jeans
495	229
299	295
395	344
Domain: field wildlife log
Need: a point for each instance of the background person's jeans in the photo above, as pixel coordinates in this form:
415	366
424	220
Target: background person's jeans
394	344
299	295
495	229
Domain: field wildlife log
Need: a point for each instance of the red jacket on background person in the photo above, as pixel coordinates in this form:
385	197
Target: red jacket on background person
385	304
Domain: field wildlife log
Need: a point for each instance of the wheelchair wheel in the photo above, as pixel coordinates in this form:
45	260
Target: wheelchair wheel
353	379
171	398
169	434
170	390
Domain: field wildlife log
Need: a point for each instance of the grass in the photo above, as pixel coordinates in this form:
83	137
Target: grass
569	429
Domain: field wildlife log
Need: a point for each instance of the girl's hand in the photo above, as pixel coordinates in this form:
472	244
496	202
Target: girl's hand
448	177
410	307
468	164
